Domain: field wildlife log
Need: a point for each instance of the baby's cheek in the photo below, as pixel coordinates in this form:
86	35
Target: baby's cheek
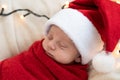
65	58
44	44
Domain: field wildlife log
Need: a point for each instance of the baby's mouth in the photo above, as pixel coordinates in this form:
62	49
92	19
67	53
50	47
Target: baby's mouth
49	54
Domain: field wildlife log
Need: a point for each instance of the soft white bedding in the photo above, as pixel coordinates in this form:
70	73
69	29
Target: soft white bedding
18	34
114	75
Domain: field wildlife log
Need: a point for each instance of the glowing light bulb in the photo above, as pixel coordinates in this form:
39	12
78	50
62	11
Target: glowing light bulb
66	4
22	17
4	6
116	52
117	1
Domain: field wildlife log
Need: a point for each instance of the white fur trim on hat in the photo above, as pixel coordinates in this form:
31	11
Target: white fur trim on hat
80	30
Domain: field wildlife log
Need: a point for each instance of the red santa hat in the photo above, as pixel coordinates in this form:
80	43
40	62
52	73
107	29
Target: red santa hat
94	28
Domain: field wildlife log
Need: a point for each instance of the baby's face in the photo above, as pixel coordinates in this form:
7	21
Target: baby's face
59	47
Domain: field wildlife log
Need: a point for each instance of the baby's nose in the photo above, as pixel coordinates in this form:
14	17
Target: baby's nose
51	46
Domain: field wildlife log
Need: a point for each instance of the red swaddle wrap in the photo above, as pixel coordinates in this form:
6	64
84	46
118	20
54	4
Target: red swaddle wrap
34	64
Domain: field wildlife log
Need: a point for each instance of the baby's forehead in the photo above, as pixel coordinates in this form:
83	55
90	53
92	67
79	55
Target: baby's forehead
58	32
55	30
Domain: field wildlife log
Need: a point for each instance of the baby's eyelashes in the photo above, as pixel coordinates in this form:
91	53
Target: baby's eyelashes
61	45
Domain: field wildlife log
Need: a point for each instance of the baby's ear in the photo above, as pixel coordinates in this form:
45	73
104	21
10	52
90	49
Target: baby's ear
78	59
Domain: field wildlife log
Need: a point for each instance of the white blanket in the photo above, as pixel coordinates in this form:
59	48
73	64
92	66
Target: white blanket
18	34
114	75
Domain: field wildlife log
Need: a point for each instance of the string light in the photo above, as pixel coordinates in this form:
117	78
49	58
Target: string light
117	1
4	6
116	52
27	10
22	17
66	5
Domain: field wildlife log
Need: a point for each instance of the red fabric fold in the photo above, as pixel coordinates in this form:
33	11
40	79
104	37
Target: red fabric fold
110	11
34	64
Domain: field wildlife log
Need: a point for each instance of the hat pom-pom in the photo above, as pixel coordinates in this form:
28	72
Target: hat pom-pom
103	62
